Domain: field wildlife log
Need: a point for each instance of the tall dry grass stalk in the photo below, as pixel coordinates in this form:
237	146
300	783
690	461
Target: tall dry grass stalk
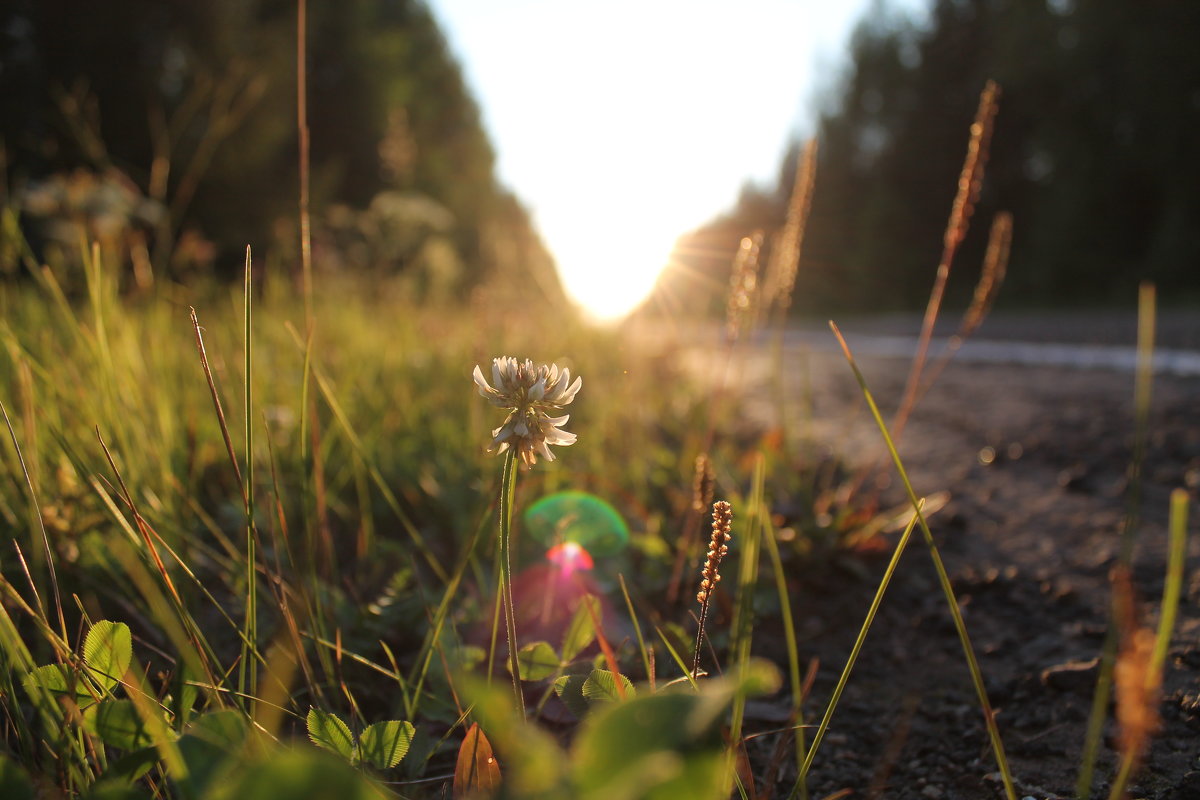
970	181
741	307
303	140
703	481
784	262
741	313
991	278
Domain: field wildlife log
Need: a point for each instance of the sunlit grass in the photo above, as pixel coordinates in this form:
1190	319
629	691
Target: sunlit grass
245	517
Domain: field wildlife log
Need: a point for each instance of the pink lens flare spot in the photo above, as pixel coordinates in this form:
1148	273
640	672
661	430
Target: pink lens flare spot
570	557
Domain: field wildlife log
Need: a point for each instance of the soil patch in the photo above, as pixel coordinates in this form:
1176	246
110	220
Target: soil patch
1036	461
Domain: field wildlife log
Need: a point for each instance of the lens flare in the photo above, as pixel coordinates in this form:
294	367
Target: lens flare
577	517
570	557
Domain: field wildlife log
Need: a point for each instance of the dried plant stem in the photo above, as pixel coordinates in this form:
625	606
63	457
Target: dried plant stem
702	493
970	180
741	310
303	140
995	265
508	483
216	398
785	254
37	512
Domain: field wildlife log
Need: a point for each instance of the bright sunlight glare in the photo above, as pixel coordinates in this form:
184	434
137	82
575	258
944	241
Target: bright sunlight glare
608	262
625	125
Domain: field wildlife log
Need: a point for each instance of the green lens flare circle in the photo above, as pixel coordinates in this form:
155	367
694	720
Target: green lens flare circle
577	516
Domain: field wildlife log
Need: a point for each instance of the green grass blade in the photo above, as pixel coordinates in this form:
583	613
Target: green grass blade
425	655
789	633
1143	384
943	578
637	630
836	697
747	579
247	674
687	672
377	478
1176	558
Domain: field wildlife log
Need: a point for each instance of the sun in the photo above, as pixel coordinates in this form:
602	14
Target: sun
609	275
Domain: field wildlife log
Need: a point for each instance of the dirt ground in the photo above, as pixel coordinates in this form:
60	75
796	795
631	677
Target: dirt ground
1035	460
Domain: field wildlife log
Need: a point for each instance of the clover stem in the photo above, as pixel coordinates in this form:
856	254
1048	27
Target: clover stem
508	483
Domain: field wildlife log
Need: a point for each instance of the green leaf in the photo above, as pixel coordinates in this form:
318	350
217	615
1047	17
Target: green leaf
304	774
56	678
653	748
183	696
14	781
582	631
129	767
328	731
106	790
209	745
466	657
118	724
569	689
537	661
107	651
601	687
384	744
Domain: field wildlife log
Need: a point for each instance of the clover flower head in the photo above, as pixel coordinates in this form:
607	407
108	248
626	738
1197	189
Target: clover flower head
531	393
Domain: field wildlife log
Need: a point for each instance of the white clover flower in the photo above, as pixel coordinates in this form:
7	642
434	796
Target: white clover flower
531	393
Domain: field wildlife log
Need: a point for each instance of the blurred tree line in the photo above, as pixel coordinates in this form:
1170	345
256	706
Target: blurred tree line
181	115
1094	154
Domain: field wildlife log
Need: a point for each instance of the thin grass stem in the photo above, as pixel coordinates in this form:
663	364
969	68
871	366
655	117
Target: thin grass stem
687	672
844	678
637	630
789	633
247	674
1172	589
943	577
1143	385
37	513
743	630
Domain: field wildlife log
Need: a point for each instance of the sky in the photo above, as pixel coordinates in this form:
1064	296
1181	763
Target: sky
622	125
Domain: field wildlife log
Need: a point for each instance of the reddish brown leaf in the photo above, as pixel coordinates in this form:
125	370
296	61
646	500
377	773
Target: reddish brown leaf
477	774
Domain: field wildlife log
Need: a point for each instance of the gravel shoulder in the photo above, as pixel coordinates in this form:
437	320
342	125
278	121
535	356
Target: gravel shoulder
1035	460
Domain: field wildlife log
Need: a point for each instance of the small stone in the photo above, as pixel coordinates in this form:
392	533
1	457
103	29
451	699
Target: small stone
932	792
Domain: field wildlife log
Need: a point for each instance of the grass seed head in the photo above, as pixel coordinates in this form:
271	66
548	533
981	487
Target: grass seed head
718	547
1137	688
702	483
743	288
